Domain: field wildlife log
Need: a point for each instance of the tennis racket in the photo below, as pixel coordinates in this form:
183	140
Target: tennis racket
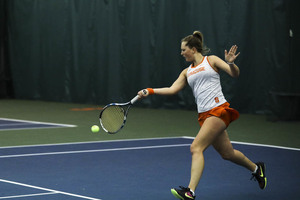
113	116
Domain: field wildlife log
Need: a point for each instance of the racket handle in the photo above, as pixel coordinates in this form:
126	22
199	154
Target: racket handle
135	99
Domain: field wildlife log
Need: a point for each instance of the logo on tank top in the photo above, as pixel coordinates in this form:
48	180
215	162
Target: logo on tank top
200	69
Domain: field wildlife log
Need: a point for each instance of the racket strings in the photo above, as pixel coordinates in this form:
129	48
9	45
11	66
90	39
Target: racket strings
112	118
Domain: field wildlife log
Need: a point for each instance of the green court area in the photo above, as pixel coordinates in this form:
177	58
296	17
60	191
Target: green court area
141	123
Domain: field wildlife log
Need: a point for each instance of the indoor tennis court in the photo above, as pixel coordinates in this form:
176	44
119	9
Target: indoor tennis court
62	62
90	170
79	164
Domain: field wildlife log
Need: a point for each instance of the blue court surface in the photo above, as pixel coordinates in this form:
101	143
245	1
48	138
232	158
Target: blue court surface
15	124
140	169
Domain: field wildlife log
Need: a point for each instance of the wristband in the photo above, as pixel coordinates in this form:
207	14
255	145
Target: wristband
150	91
230	63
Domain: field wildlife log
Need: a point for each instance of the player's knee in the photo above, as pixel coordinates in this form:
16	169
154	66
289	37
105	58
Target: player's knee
195	148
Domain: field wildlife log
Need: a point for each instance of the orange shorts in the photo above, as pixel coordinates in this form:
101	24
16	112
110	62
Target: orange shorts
223	112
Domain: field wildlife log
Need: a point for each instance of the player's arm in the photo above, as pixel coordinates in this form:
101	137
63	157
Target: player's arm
178	85
229	66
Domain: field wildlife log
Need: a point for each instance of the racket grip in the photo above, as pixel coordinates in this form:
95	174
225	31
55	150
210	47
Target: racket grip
135	99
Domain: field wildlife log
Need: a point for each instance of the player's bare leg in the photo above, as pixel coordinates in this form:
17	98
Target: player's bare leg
224	147
210	130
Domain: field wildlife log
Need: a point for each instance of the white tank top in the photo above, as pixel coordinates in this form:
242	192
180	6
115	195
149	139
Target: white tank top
206	86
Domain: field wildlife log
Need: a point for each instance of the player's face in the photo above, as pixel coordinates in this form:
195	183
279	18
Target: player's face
187	53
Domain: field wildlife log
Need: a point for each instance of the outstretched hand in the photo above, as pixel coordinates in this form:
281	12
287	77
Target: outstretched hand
231	55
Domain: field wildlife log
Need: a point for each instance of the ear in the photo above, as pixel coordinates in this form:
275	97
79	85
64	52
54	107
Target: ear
194	49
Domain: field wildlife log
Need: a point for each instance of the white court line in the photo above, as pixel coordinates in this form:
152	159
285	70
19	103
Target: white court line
28	195
33	128
93	142
145	139
35	122
49	190
15	124
266	145
92	151
255	144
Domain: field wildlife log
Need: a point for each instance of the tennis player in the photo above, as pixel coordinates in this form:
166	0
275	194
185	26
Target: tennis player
214	116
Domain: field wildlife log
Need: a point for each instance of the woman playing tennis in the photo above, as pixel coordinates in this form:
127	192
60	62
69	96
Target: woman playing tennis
214	116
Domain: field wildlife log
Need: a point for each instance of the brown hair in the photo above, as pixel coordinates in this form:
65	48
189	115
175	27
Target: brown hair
196	40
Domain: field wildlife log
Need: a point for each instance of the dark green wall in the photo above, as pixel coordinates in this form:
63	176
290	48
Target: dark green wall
99	51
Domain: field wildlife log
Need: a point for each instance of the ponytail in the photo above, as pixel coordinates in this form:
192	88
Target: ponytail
196	40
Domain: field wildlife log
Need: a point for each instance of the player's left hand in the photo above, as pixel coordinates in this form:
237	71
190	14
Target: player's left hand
231	55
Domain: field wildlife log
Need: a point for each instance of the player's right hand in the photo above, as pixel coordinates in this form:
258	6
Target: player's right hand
143	93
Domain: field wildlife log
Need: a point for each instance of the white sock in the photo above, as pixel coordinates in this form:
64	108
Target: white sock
256	168
193	193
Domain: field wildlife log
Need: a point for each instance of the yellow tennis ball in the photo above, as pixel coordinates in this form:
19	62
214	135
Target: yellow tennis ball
95	128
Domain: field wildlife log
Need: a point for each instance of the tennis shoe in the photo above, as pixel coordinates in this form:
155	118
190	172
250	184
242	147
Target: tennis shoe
183	193
260	175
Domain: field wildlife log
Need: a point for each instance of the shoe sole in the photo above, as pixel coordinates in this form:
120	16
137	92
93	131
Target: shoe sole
173	191
264	171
